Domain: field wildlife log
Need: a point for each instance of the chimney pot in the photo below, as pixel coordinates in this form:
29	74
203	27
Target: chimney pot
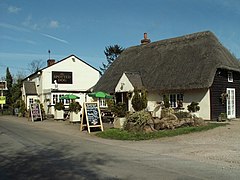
145	40
50	62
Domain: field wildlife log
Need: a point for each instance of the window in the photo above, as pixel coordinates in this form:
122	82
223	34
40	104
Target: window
102	102
61	100
230	77
175	99
55	98
30	100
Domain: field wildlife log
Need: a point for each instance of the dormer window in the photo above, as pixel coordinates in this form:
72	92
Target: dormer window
230	76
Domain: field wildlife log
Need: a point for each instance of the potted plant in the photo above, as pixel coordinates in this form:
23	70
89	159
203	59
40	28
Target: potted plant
75	111
193	108
59	111
119	111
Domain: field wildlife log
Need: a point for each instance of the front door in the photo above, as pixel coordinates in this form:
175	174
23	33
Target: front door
231	113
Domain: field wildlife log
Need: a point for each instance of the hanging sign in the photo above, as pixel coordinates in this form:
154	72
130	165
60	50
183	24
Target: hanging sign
2	99
91	116
35	111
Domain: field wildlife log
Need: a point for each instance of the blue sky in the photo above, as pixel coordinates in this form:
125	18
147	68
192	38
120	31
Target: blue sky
28	29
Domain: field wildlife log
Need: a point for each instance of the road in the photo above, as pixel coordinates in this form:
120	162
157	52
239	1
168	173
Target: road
58	150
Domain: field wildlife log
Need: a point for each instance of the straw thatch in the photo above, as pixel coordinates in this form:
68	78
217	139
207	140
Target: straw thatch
187	62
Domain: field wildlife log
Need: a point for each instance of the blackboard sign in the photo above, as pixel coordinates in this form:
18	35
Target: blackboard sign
91	116
35	111
62	77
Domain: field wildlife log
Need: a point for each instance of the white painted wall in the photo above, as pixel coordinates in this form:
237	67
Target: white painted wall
124	85
84	77
201	96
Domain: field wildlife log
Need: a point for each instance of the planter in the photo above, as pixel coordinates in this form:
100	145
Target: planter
118	122
74	117
58	114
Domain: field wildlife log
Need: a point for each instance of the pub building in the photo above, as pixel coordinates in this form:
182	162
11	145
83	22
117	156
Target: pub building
70	75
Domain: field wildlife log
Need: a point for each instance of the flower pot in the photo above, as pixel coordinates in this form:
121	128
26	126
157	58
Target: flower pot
118	122
58	114
74	117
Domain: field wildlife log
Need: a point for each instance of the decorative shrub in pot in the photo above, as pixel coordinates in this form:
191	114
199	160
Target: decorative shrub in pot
59	111
193	108
119	111
75	111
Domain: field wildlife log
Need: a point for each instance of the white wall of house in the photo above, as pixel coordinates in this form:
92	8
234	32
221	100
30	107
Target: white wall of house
201	96
124	85
83	78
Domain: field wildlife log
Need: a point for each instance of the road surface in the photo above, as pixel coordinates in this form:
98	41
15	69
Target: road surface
58	150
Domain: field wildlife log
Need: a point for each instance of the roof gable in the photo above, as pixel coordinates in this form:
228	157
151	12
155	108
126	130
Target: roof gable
187	62
73	57
30	88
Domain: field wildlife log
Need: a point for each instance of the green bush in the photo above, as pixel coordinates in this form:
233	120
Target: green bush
120	109
139	100
75	107
193	107
166	101
59	106
137	120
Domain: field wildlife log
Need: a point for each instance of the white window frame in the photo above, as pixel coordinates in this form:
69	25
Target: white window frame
230	76
176	97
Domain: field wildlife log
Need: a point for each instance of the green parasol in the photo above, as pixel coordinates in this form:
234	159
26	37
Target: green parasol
100	94
69	96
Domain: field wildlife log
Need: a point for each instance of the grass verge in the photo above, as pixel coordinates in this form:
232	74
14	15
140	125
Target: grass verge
119	134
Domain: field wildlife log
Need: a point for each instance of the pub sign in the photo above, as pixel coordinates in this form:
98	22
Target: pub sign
62	77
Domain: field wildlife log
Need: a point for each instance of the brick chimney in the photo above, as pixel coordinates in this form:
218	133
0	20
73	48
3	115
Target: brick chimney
145	40
50	62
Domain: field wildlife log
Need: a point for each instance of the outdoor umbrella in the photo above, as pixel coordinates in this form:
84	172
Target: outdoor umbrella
69	96
100	94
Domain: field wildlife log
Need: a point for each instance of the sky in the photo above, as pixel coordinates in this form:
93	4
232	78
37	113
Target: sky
29	28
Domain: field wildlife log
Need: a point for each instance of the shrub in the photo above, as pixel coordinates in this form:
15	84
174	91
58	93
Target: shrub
136	121
120	109
75	107
166	101
59	106
139	100
193	107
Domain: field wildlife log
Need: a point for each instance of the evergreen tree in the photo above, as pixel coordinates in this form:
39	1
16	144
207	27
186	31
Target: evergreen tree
139	100
111	53
9	81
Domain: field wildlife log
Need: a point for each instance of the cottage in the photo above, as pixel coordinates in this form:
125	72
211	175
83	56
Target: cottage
70	75
191	68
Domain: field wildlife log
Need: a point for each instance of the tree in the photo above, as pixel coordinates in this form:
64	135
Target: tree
111	53
139	100
35	65
9	81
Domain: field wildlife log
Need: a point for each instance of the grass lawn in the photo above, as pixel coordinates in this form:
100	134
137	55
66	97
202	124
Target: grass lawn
124	135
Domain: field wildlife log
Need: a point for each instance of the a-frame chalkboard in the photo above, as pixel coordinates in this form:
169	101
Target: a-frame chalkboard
91	116
35	111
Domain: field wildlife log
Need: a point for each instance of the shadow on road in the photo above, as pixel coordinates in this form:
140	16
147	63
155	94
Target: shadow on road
53	164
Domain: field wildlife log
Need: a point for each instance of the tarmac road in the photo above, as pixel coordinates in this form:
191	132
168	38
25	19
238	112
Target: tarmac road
58	150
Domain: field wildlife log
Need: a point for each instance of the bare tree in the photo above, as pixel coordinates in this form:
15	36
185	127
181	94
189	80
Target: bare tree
35	65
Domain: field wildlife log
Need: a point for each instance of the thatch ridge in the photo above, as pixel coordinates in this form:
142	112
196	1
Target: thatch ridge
186	62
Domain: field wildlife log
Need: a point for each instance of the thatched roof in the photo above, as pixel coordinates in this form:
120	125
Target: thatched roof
187	62
135	79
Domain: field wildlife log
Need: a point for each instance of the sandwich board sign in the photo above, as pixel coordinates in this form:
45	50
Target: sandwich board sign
35	111
91	116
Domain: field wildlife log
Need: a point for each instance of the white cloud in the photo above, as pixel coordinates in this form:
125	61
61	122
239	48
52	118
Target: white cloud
17	39
12	27
54	24
55	38
29	23
12	9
